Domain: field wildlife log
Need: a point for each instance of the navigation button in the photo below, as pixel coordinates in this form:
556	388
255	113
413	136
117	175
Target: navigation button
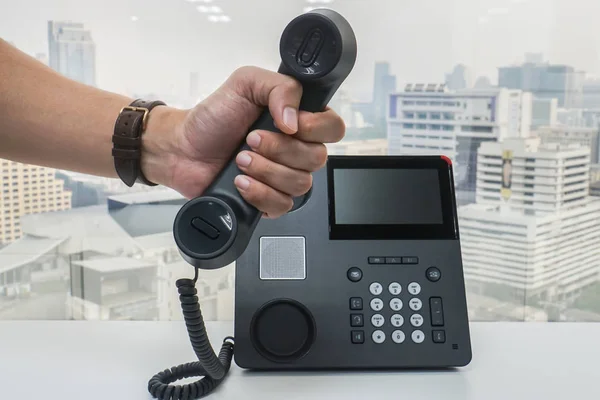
416	320
356	320
397	320
396	304
205	227
377	320
433	274
415	304
376	260
354	274
395	288
439	336
418	336
356	303
393	260
414	288
375	288
398	336
378	337
358	337
376	304
410	260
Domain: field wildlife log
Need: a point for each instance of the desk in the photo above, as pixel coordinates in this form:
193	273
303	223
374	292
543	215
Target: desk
114	361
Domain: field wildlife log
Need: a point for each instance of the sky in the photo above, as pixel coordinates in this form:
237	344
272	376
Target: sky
153	45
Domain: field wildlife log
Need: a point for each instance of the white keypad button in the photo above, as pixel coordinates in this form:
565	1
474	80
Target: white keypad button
377	320
378	337
414	288
375	288
376	304
397	320
416	320
415	304
398	336
418	336
396	304
395	288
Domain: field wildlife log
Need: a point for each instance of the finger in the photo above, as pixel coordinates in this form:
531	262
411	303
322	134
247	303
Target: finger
266	199
280	93
323	127
288	150
280	177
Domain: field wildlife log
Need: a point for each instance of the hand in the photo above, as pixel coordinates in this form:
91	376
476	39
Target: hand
185	150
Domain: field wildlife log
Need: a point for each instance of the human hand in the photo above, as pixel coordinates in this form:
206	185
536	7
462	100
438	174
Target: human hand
186	149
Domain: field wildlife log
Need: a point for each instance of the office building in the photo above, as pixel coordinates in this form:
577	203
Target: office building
532	235
591	94
430	119
545	81
384	84
586	137
366	147
458	79
27	189
72	52
544	112
571	117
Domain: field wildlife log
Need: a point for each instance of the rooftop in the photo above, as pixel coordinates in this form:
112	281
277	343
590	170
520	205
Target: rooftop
114	264
26	250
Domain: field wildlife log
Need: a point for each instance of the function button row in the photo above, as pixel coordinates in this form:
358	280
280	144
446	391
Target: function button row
394	260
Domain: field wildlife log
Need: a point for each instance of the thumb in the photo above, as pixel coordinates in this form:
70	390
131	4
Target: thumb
280	93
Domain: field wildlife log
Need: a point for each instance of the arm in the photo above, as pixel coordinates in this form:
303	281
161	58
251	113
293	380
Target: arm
47	119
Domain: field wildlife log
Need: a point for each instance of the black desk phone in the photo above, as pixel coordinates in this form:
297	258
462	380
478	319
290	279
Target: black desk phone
364	272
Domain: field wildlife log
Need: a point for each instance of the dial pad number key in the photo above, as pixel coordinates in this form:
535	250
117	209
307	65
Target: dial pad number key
378	337
376	304
416	320
375	288
418	336
414	288
396	304
398	336
377	320
395	288
397	320
415	304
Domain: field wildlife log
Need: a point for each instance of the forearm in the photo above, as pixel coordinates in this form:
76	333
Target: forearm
47	119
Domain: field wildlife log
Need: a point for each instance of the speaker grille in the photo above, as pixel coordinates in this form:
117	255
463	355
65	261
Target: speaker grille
282	257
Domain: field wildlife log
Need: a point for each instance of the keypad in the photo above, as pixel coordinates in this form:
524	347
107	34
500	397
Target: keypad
396	313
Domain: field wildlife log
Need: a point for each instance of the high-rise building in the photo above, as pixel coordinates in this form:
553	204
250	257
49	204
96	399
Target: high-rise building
458	79
532	237
586	137
429	119
27	189
384	84
72	52
545	81
544	112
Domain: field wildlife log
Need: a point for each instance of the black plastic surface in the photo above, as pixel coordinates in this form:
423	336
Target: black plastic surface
333	299
320	65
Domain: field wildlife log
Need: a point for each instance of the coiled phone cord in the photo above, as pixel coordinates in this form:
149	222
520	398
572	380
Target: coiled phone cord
212	368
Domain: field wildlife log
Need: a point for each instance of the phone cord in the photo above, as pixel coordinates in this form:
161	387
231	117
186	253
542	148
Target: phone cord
213	369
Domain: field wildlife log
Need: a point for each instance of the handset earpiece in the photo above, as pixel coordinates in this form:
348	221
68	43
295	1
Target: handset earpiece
319	50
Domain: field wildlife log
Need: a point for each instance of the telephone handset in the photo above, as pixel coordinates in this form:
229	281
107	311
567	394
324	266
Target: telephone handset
319	50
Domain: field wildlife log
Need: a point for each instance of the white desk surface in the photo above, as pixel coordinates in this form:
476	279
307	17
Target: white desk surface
114	361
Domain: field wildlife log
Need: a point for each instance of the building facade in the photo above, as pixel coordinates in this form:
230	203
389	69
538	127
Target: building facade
71	51
586	137
27	189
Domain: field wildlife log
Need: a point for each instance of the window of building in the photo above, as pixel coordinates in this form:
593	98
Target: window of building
422	115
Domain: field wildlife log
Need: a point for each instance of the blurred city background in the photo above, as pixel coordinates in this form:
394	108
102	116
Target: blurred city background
509	89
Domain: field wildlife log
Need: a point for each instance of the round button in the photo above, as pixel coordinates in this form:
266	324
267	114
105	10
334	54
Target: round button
433	274
354	274
378	336
377	320
415	304
416	320
396	304
418	336
376	304
414	288
283	342
397	320
398	336
375	288
395	288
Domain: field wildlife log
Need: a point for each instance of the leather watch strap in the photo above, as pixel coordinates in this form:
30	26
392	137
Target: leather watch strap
127	141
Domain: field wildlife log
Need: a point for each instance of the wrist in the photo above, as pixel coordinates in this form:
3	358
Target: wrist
159	144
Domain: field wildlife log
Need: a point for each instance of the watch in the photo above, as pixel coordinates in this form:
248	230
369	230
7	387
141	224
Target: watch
127	141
